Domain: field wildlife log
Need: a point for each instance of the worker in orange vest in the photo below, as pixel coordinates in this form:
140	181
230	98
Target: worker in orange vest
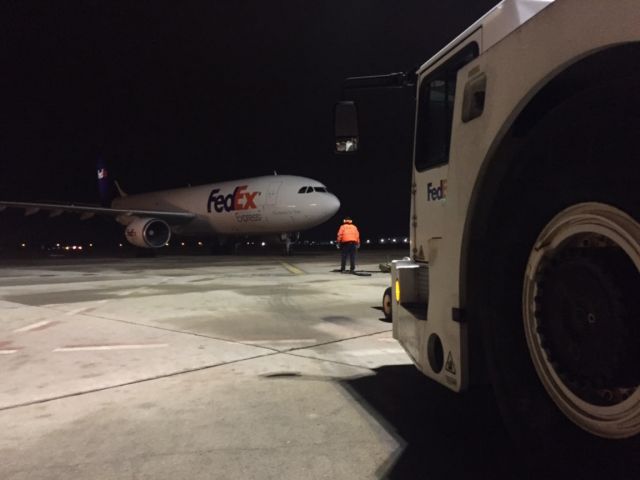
348	243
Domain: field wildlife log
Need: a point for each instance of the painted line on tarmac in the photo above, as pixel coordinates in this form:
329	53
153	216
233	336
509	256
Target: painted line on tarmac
33	326
292	269
7	352
83	348
84	309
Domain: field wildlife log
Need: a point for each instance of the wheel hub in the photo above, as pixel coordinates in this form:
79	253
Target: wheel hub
581	313
583	326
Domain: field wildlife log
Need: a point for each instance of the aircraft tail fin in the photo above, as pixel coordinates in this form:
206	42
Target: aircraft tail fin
107	188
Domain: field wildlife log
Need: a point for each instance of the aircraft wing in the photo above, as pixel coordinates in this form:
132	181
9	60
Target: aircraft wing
88	211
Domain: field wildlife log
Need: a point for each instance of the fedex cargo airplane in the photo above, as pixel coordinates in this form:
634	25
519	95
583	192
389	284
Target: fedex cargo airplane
281	205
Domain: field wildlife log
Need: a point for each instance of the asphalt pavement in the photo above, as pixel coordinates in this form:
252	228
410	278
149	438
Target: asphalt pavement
223	367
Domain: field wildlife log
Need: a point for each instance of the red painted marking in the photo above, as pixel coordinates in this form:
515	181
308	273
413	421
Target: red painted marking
7	345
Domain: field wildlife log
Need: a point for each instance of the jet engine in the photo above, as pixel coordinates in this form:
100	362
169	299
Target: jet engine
148	232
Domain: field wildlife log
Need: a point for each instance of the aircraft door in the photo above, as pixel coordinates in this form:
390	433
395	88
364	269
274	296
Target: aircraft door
272	194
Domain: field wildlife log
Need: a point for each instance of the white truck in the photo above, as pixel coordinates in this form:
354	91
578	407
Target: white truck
524	230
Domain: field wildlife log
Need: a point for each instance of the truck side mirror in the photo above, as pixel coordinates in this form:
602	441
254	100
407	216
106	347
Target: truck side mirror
346	125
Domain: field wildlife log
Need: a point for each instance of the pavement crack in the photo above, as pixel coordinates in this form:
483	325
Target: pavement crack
133	382
183	332
328	360
307	347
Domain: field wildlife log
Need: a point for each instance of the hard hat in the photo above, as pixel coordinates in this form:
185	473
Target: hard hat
347	220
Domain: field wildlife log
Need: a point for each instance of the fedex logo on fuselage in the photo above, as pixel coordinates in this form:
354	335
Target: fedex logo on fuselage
240	199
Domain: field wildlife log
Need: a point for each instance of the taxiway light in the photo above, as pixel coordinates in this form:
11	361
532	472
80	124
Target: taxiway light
264	244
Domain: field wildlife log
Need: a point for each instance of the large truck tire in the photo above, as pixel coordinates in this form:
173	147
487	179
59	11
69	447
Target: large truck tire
560	306
562	337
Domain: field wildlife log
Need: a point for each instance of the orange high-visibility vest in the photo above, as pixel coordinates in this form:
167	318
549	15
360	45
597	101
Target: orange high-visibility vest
348	232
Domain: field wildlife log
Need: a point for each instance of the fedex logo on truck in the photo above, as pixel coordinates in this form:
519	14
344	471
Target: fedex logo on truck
239	199
437	192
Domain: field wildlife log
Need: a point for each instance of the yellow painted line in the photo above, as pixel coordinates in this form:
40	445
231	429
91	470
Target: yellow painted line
292	269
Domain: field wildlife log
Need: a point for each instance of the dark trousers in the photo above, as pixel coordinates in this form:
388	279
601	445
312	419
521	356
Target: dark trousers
348	248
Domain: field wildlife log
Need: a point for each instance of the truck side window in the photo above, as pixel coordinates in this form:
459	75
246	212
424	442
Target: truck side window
435	110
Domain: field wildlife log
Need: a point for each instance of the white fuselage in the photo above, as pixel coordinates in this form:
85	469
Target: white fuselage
250	206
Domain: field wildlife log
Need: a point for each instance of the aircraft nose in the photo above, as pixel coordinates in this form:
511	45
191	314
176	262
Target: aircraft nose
332	204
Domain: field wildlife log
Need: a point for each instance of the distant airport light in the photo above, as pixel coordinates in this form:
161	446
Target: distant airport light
74	247
120	245
382	240
331	242
182	243
79	247
200	244
406	240
91	245
66	247
57	245
393	240
263	244
23	245
368	242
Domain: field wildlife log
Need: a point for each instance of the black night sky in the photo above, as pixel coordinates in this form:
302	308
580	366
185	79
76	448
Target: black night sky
177	93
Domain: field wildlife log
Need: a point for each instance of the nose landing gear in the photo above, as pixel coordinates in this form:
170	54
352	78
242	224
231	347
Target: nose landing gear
288	239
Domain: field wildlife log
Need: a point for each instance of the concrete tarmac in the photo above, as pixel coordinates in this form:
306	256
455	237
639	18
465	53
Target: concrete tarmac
218	367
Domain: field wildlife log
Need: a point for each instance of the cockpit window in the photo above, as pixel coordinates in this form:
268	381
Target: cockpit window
313	189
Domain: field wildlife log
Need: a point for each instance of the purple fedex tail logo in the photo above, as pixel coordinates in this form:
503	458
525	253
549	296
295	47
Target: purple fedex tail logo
104	183
240	199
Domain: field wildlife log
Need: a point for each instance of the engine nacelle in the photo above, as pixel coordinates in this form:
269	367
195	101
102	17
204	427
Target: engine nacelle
148	233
